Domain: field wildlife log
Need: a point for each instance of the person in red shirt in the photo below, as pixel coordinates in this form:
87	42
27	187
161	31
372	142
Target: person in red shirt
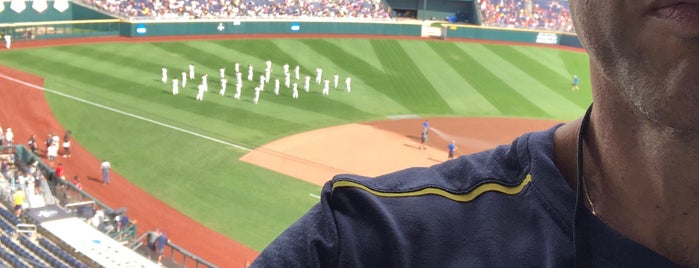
59	171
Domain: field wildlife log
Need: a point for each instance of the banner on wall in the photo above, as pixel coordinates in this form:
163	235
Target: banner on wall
295	27
141	29
547	38
18	5
61	5
40	5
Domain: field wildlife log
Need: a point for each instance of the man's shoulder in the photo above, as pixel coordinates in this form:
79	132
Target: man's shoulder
503	167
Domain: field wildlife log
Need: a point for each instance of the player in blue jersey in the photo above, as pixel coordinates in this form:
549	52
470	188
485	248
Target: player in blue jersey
615	188
576	83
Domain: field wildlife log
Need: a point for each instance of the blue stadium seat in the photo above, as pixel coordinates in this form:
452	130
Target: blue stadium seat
9	216
61	254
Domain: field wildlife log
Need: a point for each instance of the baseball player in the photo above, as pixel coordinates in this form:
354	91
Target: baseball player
249	72
307	83
348	81
222	72
8	41
257	95
286	68
184	79
164	72
276	86
200	92
175	87
336	79
295	91
191	71
296	71
287	80
319	75
326	87
223	87
205	82
262	82
238	88
237	67
239	77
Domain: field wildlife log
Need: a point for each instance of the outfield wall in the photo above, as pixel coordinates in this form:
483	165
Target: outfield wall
150	28
510	35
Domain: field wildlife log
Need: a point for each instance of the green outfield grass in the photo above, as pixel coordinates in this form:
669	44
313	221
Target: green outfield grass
204	179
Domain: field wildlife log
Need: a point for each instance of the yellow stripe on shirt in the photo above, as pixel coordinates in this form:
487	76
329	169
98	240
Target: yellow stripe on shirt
465	197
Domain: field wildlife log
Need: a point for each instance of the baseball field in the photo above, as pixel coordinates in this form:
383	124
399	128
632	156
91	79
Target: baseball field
247	171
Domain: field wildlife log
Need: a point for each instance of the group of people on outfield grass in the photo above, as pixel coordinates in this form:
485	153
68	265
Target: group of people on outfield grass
291	77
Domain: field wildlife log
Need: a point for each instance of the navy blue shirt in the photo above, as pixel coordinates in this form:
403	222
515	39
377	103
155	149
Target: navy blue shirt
506	207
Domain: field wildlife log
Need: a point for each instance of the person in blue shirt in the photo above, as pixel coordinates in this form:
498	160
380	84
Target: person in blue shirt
160	243
617	187
452	149
576	82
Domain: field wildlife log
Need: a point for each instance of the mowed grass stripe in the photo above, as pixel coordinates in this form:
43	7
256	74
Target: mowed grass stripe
507	100
265	50
367	82
456	91
360	49
233	51
204	59
561	85
549	58
126	59
406	82
550	102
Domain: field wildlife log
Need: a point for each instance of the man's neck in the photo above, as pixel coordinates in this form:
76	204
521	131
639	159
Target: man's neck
643	180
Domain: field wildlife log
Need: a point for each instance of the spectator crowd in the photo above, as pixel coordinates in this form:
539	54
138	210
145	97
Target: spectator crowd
263	9
528	14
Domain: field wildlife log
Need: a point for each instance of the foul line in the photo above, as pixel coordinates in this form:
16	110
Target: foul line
124	113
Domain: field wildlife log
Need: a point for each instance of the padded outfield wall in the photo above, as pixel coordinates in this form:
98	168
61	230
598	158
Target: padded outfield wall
510	35
208	27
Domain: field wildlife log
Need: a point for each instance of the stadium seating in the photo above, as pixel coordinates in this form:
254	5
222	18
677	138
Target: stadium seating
18	250
9	216
194	9
6	227
11	259
43	254
535	14
61	254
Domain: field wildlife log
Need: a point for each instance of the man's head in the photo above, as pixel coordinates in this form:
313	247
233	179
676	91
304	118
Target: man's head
649	51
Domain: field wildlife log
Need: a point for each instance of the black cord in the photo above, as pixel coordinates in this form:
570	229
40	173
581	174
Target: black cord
580	247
